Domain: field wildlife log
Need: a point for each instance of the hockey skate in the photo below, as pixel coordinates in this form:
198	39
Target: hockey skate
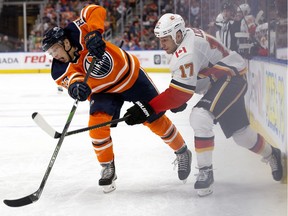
108	177
184	160
275	162
204	181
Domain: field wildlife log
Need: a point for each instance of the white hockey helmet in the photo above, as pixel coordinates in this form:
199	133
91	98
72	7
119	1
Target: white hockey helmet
244	8
219	20
170	24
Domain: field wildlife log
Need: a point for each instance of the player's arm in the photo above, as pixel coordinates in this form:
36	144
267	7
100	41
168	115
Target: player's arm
173	97
180	90
94	16
65	75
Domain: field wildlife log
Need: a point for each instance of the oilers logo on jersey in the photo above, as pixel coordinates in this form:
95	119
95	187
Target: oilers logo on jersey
102	67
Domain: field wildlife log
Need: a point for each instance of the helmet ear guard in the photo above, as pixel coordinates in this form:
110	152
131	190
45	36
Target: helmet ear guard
52	36
170	24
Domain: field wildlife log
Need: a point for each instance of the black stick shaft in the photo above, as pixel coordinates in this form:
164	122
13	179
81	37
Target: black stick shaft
58	135
35	196
59	144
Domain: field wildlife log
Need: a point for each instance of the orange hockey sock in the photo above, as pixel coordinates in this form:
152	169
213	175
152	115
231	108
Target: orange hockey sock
164	128
101	139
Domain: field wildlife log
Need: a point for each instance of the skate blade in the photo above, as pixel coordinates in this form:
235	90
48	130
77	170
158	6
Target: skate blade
205	191
109	188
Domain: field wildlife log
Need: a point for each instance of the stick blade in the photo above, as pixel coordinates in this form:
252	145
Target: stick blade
22	201
41	122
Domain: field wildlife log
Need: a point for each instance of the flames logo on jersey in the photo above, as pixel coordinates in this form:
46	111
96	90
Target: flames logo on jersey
101	68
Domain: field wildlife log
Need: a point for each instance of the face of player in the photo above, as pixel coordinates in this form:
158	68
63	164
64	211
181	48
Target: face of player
168	44
239	16
227	14
58	52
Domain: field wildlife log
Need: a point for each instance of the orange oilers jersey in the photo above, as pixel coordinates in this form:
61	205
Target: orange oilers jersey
114	73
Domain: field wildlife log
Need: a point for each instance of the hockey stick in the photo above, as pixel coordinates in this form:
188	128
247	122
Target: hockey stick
40	121
36	195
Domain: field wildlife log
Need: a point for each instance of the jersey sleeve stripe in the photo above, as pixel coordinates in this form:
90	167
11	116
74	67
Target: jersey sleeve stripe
85	11
182	87
76	77
131	65
127	71
103	87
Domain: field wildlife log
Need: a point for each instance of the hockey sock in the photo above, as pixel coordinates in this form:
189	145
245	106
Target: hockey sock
204	147
101	139
164	128
248	138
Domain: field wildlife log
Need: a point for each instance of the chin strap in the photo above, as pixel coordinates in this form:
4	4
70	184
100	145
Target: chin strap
76	55
67	51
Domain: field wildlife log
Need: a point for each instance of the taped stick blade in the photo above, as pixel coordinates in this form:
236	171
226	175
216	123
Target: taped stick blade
41	122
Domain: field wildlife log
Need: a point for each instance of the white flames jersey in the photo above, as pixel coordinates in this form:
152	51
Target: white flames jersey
199	58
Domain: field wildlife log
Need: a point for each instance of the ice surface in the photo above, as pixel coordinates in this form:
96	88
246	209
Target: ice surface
147	185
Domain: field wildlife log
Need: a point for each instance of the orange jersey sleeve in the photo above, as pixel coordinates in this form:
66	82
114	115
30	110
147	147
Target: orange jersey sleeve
94	16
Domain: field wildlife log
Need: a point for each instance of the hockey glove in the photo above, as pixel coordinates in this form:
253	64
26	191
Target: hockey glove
138	113
79	90
95	44
179	109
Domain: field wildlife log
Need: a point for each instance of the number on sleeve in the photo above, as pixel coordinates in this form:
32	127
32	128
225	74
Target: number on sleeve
182	68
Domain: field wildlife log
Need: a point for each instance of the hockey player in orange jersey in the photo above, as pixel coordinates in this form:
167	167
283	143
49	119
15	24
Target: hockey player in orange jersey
116	77
201	64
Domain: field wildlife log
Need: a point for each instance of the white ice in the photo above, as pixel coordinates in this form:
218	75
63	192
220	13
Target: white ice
147	185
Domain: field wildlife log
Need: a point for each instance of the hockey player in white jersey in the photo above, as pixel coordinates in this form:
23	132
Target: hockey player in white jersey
200	64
